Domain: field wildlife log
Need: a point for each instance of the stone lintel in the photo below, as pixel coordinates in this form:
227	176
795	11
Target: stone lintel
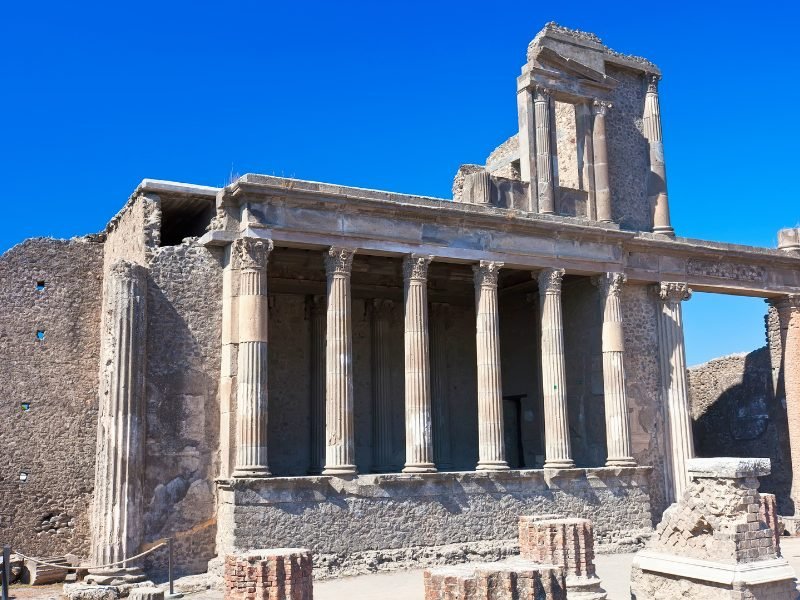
728	468
754	573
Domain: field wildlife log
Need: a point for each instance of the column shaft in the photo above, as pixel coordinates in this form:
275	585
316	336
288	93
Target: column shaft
382	429
316	314
440	397
558	453
544	150
117	519
419	434
657	181
251	256
340	448
527	146
672	353
584	120
618	433
228	351
789	314
491	443
600	148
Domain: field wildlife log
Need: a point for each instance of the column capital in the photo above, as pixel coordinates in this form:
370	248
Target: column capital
415	266
610	284
549	281
541	93
786	304
601	107
652	82
486	273
251	253
339	260
673	292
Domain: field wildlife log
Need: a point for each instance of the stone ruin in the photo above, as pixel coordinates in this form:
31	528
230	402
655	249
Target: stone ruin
556	562
274	574
719	541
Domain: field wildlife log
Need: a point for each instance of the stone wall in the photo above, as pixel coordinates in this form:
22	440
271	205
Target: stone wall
53	442
380	522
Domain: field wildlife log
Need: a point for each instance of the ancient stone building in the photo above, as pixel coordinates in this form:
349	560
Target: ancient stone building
382	378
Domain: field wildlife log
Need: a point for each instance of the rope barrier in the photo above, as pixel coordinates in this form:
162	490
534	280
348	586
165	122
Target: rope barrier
114	564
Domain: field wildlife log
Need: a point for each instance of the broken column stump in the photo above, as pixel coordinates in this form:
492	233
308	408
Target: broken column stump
716	542
514	580
270	574
568	543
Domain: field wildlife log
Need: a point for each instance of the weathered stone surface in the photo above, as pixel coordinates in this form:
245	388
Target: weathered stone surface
730	468
146	593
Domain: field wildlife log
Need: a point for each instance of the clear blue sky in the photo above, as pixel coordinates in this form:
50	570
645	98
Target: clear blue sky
389	95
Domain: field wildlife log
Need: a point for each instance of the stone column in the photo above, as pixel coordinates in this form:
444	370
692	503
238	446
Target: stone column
381	386
315	306
584	121
491	443
250	258
228	352
657	181
618	432
527	145
544	150
789	313
340	450
440	397
419	434
601	184
558	454
117	519
674	393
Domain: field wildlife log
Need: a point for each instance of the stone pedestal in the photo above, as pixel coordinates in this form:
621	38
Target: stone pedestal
274	574
713	543
381	312
491	443
568	543
340	456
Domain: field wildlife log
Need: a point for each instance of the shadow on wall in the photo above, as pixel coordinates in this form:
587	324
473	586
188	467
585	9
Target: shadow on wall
736	412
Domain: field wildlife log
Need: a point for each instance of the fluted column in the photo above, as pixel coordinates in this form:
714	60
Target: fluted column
419	430
618	432
657	181
491	443
527	146
250	257
440	397
381	312
789	314
558	453
117	519
316	310
544	150
227	378
600	148
340	450
674	392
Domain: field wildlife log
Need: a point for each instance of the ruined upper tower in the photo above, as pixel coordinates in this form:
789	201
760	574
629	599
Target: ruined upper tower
589	142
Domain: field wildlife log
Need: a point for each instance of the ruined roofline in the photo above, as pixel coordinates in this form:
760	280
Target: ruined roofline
590	40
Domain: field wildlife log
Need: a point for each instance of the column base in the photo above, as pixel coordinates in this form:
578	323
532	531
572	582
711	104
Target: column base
251	472
419	468
668	231
492	465
625	461
338	470
559	463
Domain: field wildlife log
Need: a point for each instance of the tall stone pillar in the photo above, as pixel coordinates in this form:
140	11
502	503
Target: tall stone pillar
228	352
316	310
527	146
558	453
584	121
250	258
618	432
381	312
543	108
789	315
600	147
657	181
419	430
491	443
340	456
440	397
117	519
674	392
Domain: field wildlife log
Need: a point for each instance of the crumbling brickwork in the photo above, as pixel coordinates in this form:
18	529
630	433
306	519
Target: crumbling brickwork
275	574
511	581
564	542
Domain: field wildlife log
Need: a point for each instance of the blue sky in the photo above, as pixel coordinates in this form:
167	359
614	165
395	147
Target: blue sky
386	95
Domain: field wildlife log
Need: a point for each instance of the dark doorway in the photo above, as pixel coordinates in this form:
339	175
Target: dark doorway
512	430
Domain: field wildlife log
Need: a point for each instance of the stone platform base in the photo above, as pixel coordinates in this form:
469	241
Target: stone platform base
658	576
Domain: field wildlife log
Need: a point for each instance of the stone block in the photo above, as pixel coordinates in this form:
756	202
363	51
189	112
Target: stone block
732	468
269	574
146	593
